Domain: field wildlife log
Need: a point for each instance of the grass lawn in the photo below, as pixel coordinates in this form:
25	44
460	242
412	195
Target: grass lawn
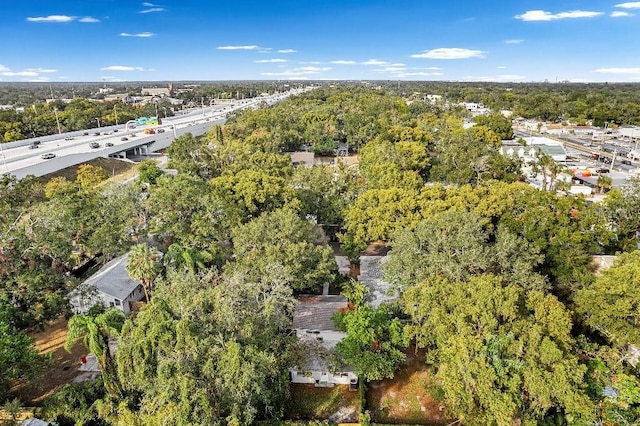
307	402
405	399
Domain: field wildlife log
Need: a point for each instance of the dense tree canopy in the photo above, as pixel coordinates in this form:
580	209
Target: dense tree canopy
502	356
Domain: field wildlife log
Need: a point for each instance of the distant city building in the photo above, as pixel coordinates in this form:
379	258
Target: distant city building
559	129
158	91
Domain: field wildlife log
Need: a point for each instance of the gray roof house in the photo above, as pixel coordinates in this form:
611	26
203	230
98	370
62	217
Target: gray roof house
111	286
316	331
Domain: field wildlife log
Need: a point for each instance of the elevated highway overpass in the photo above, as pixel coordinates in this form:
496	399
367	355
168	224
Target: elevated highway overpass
68	149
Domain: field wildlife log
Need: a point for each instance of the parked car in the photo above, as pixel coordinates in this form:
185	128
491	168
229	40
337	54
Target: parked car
48	156
108	144
94	145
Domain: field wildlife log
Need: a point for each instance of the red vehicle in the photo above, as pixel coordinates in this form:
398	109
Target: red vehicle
149	131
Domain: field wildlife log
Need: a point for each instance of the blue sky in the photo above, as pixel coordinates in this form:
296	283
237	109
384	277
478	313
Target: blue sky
461	40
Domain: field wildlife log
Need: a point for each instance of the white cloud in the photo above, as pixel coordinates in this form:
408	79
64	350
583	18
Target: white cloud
419	74
620	14
287	51
153	9
391	69
314	69
297	72
341	62
42	70
542	15
270	61
449	53
629	5
89	20
145	34
51	18
618	70
123	68
375	62
251	47
498	78
38	80
501	67
147	4
514	41
19	73
3	68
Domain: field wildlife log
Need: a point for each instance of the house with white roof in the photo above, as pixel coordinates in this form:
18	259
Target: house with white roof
316	331
111	287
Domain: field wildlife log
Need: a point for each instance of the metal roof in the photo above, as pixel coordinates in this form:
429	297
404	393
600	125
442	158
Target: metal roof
112	279
315	312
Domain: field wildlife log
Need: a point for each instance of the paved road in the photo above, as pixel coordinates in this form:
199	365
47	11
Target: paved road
75	147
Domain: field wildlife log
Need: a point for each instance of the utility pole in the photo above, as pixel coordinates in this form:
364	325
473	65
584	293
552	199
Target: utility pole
55	111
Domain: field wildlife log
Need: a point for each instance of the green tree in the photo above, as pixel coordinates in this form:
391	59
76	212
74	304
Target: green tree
283	238
208	351
89	176
19	359
501	356
144	265
497	123
95	333
622	212
149	172
374	342
611	305
458	245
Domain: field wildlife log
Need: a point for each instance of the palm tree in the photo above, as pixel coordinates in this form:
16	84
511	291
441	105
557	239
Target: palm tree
95	332
189	259
143	264
604	182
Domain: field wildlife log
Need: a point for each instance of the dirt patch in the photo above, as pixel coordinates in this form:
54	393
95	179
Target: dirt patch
307	402
406	398
64	365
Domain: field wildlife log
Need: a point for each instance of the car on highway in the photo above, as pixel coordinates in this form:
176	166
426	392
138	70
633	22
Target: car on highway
627	162
48	156
68	138
160	130
124	138
94	145
132	135
108	144
34	145
85	134
602	170
96	134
